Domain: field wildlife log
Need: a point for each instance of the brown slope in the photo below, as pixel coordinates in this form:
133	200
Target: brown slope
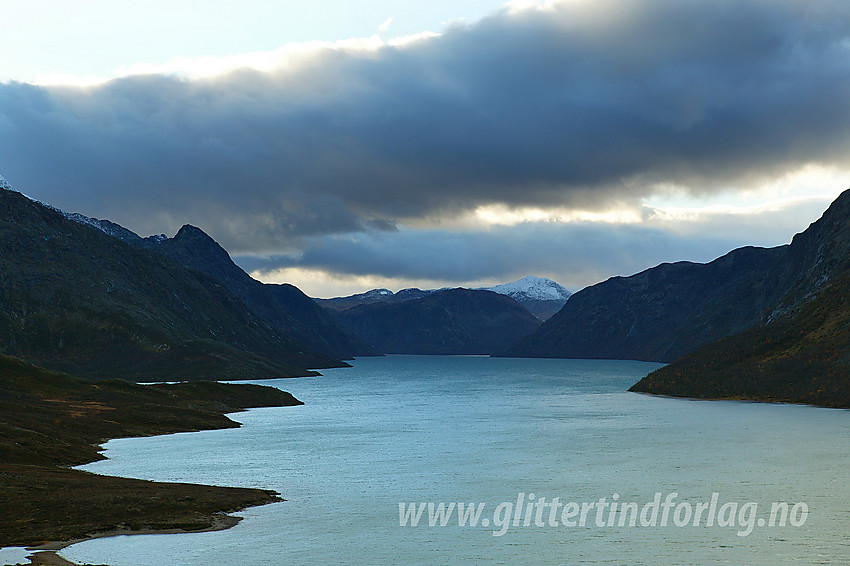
50	420
801	357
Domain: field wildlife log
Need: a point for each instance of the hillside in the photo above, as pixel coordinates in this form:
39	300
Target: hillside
802	357
75	299
49	421
802	354
284	307
664	312
454	321
668	311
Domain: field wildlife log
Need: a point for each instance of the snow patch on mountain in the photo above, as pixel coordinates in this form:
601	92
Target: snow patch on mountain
4	184
376	293
533	288
106	226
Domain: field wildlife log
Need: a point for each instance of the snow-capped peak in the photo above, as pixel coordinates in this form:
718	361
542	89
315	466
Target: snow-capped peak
4	184
105	226
379	292
533	288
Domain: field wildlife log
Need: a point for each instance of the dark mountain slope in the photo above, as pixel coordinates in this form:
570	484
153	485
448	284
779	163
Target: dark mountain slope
668	311
664	312
285	307
455	321
803	353
802	357
373	296
75	299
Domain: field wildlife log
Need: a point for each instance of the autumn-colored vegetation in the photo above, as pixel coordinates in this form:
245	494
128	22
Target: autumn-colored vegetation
50	421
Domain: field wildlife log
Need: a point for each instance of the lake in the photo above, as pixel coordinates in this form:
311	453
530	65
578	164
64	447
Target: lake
509	436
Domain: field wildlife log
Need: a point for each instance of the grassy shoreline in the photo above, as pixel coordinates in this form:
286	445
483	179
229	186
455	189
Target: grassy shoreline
50	422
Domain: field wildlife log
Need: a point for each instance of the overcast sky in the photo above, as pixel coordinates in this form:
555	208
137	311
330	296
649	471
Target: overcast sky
385	144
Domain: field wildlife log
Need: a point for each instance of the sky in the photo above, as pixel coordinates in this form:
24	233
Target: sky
342	146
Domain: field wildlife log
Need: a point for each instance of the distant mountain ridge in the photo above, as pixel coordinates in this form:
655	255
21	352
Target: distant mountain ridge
542	297
451	321
372	296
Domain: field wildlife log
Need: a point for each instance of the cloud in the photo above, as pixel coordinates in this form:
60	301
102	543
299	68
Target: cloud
385	26
584	253
575	254
574	105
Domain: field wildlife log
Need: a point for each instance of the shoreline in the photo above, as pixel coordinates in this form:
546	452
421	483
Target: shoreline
49	504
47	554
740	399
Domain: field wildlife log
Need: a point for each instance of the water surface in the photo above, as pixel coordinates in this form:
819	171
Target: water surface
475	429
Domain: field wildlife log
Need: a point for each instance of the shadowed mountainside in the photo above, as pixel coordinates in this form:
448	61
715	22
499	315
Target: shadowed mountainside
801	357
75	299
664	312
285	307
668	311
802	354
454	321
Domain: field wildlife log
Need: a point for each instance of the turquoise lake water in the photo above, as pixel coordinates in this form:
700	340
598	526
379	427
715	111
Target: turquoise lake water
442	429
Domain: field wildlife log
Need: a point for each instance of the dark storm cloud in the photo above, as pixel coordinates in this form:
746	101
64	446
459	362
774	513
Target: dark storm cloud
583	104
502	252
575	254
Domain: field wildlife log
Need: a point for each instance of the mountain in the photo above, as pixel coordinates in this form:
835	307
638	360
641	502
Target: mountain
801	357
665	312
283	306
371	297
668	311
75	299
542	297
802	353
453	321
